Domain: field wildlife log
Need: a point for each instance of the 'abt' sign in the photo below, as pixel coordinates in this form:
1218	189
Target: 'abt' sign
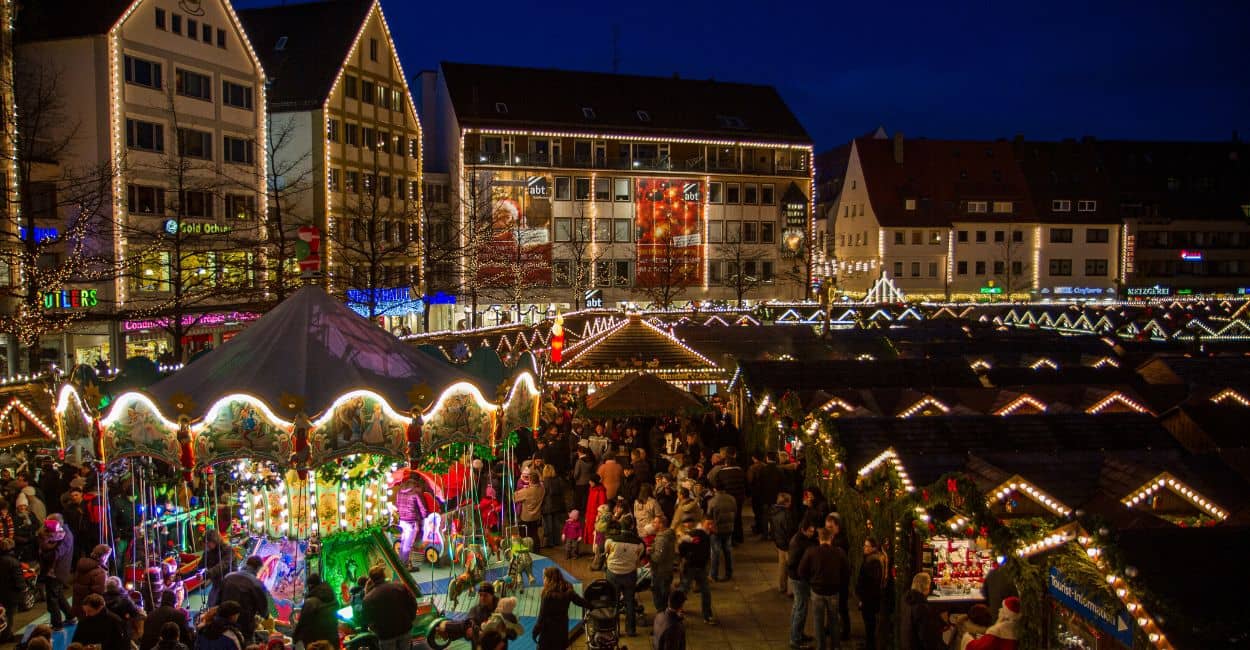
594	299
70	299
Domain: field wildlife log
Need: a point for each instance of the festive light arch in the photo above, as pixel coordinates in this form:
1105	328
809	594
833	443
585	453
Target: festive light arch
1116	398
918	407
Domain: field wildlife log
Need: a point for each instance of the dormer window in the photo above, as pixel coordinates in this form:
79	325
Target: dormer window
501	108
280	45
588	112
643	116
909	204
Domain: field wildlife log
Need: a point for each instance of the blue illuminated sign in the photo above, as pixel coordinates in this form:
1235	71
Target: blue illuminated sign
41	234
1110	617
440	298
389	301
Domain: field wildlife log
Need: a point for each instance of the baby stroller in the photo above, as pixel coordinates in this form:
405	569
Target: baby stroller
642	583
601	619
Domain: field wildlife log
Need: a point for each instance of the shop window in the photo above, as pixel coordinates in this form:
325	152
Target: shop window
153	273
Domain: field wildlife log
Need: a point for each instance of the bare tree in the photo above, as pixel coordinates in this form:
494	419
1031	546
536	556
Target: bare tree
374	237
1011	263
188	261
290	176
56	212
575	269
744	273
667	275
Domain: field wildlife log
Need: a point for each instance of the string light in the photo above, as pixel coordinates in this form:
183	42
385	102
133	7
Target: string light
1019	403
1107	361
891	457
1035	493
1044	363
18	404
1178	488
1227	394
1116	398
838	403
922	404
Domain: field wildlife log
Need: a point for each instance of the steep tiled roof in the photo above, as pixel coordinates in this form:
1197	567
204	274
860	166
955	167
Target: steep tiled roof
541	98
941	175
1180	180
1071	171
317	37
46	20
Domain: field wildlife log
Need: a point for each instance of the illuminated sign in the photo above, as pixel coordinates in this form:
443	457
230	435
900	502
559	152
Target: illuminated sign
1105	613
172	227
41	234
388	301
538	187
440	298
1148	292
1081	291
190	320
991	288
70	299
1191	256
594	299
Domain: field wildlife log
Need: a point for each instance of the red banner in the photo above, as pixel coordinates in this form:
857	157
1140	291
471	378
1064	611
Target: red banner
668	220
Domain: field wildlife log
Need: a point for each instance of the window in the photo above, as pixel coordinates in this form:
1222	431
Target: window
501	108
142	72
221	38
564	188
1060	205
977	206
145	136
603	230
909	204
373	49
1096	235
206	33
160	19
1002	207
1061	267
1061	235
750	194
195	144
715	232
900	237
144	199
581	189
384	142
733	231
368	91
1017	236
197	204
622	230
767	234
154	267
351	182
384	186
603	190
193	29
236	269
898	269
384	97
332	130
349	86
935	237
999	267
917	237
980	268
332	179
961	268
564	230
1017	269
999	236
621	186
766	271
750	232
980	236
368	137
351	134
915	269
732	193
933	268
766	194
962	235
1086	206
175	23
239	206
236	95
714	194
620	273
1096	268
588	112
237	150
194	85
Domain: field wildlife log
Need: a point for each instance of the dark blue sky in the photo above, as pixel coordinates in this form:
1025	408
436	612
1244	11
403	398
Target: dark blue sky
1048	70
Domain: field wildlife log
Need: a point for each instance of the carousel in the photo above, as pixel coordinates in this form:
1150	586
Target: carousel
293	441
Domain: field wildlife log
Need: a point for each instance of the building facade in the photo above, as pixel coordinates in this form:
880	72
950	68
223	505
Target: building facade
164	102
620	189
346	151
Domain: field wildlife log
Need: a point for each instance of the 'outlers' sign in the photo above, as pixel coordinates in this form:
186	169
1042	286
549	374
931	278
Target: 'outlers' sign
70	299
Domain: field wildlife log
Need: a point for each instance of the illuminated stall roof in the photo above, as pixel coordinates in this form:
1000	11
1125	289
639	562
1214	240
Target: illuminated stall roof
642	394
26	415
311	347
635	345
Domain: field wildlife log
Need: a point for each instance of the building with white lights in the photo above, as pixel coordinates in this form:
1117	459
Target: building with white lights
345	141
169	96
634	190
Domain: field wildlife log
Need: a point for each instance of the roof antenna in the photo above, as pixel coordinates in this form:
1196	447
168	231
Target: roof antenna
616	49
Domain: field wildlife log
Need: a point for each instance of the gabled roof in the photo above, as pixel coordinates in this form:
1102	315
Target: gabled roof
318	37
548	99
825	374
47	20
940	175
635	345
1071	171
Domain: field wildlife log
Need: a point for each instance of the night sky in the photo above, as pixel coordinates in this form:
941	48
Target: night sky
1139	70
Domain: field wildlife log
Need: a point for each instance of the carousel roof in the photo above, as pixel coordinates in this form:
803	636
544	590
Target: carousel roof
635	345
310	349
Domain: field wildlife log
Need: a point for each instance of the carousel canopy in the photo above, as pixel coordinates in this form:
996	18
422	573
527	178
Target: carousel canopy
314	349
642	394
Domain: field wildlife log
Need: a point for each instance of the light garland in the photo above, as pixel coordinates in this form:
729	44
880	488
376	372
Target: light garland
1114	398
1035	493
1019	403
1178	488
18	404
919	406
763	405
634	137
1055	539
836	402
1106	361
1230	394
891	457
980	364
1044	363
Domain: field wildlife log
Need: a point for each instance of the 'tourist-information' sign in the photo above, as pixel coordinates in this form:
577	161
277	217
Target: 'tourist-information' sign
1112	618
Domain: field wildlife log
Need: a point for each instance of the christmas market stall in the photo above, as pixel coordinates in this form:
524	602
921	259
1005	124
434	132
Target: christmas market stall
27	423
635	344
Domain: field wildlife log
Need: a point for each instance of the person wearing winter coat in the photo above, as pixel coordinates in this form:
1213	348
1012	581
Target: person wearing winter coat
610	473
827	571
668	632
572	535
165	613
870	588
555	504
781	527
624	552
389	610
531	500
503	620
171	638
12	586
551	630
596	498
216	561
26	527
100	627
32	501
695	551
244	588
804	539
583	472
219	629
732	478
317	619
56	550
119	602
1004	633
688	512
965	628
919	626
663	561
646	508
720	509
410	504
89	576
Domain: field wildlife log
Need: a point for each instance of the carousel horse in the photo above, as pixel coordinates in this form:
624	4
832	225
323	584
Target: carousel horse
522	564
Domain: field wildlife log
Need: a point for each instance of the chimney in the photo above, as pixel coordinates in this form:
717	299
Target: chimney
898	147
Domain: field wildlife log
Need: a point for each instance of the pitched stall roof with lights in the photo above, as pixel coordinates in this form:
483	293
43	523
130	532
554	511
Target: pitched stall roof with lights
26	415
315	39
674	107
634	345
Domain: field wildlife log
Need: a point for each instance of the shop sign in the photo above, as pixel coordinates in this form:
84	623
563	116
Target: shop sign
70	299
1112	619
1191	256
991	288
1079	291
1243	291
1148	292
41	234
440	298
537	187
172	226
387	301
191	320
594	299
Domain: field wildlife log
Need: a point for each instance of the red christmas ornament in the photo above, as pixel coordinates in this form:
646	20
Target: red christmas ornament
985	532
924	495
952	485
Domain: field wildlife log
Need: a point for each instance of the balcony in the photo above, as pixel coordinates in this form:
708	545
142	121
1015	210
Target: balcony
515	160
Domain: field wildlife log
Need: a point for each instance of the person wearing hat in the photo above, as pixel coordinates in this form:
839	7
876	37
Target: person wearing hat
1003	634
219	628
26	527
31	500
503	620
90	575
389	610
966	628
56	552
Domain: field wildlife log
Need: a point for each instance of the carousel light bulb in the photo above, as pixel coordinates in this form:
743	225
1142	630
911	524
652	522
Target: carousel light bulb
343	523
343	509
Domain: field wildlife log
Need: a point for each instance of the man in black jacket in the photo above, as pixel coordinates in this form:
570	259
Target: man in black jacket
99	626
12	585
827	571
802	540
165	612
782	526
833	522
250	593
216	561
695	552
733	479
764	489
317	618
870	587
389	610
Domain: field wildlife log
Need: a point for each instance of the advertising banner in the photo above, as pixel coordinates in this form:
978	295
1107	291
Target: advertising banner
519	246
668	220
1110	617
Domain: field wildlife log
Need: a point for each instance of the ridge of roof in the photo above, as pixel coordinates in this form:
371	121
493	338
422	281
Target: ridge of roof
49	20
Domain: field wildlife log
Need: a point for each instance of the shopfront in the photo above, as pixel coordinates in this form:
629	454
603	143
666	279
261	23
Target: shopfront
150	338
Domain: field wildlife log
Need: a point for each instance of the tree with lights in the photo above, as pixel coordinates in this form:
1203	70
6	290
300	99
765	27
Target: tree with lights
289	180
1011	264
579	257
743	273
668	274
